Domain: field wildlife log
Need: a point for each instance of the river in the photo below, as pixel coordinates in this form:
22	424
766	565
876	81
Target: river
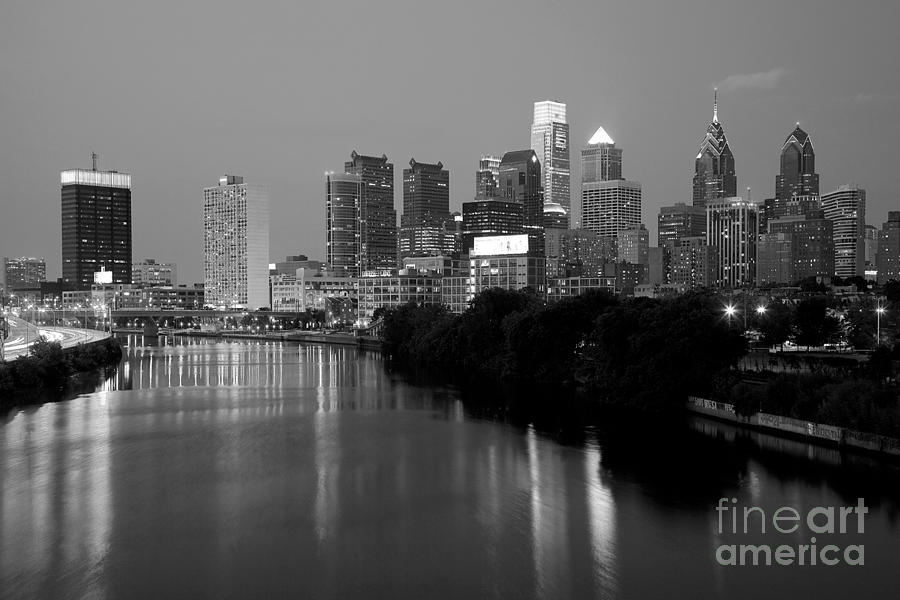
211	469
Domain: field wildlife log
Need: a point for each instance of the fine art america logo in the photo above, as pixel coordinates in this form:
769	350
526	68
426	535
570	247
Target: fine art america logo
830	521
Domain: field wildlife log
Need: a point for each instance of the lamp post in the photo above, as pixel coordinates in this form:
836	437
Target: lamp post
878	312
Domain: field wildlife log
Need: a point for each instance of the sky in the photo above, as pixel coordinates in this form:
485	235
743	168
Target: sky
178	94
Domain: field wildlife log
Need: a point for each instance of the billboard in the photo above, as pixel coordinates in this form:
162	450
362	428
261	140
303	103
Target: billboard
103	276
499	245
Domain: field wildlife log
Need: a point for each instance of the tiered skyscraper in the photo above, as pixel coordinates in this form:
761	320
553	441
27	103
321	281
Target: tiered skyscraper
377	217
426	209
236	244
714	167
550	141
96	225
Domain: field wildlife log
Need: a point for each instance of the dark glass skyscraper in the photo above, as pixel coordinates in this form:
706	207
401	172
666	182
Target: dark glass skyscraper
377	217
426	209
342	194
520	181
714	167
96	225
798	175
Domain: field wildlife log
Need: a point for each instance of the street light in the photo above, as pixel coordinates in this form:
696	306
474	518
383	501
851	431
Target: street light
760	310
879	310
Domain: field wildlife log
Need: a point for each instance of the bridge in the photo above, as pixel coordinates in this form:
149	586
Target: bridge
23	335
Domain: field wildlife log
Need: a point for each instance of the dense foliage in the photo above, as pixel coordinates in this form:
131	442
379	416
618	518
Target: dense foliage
48	366
637	353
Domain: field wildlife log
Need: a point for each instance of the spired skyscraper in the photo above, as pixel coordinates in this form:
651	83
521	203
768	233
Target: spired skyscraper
550	141
236	244
714	167
96	225
798	175
377	217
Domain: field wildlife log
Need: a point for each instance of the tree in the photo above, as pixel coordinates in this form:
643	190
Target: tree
814	326
775	325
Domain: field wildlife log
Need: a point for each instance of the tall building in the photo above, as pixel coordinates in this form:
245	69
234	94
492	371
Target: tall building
634	245
426	209
600	159
798	175
487	177
679	221
236	244
609	207
795	247
24	272
693	263
846	209
507	262
873	240
96	225
342	224
490	217
888	257
149	272
550	141
520	181
377	217
714	167
732	228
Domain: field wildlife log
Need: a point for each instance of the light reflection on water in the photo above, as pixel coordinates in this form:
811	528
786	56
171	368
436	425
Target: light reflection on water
218	469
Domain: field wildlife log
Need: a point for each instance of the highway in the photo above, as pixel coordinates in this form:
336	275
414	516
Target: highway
22	334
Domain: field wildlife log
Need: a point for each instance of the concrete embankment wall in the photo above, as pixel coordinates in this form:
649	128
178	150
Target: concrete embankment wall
817	432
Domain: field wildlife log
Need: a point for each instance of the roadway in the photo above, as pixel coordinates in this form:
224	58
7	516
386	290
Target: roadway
23	334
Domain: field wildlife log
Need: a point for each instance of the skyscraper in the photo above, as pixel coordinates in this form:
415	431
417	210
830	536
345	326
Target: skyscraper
520	181
342	224
888	256
426	209
714	167
487	177
490	217
846	209
798	175
679	221
550	141
600	159
96	225
377	217
732	228
236	244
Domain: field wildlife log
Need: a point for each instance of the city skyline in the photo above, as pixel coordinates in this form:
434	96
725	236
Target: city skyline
173	146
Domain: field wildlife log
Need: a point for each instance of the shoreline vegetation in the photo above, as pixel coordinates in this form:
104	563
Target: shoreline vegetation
636	355
49	370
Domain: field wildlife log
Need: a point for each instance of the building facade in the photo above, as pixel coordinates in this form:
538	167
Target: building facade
378	240
610	207
634	245
846	209
426	209
342	224
24	273
506	262
150	272
492	216
714	175
391	291
797	176
733	230
600	159
236	244
550	142
520	181
96	225
888	257
487	177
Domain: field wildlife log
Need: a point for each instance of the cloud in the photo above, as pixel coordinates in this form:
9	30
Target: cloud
871	98
766	80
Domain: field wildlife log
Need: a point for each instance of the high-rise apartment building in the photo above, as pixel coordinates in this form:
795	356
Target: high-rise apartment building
24	272
378	242
550	141
693	263
342	224
732	228
236	244
846	209
888	257
150	272
714	175
426	209
96	225
520	181
634	245
600	159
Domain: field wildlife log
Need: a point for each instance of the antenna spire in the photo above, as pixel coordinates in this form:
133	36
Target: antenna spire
715	105
94	159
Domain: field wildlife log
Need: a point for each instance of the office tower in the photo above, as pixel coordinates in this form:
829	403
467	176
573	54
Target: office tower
798	175
96	225
342	224
426	209
600	159
888	257
732	228
556	224
679	221
490	217
608	207
550	141
378	242
634	245
714	167
846	209
149	272
236	244
487	177
520	181
24	273
873	239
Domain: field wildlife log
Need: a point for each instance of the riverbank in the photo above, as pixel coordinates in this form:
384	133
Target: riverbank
304	337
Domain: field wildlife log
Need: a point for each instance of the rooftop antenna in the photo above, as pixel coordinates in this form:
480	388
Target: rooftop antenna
749	196
94	159
715	105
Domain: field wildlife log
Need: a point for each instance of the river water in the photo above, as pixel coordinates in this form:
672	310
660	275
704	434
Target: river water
210	469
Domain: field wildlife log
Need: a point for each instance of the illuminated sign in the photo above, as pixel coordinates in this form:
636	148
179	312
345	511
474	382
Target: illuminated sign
103	276
498	245
96	178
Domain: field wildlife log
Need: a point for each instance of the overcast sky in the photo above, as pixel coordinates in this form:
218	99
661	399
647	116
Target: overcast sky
179	93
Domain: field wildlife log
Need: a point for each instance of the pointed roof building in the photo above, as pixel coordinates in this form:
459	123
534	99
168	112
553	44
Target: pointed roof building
714	175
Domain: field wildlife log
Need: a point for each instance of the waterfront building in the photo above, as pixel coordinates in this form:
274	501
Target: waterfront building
391	291
445	265
520	181
311	289
96	225
733	229
456	292
426	209
236	244
714	175
505	261
487	177
342	223
600	159
846	209
24	273
550	142
377	218
889	249
151	272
